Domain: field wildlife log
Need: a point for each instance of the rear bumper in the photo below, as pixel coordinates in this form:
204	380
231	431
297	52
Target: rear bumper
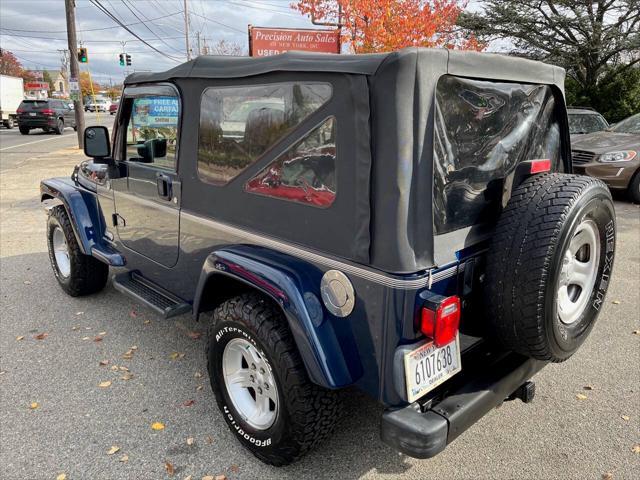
37	122
424	429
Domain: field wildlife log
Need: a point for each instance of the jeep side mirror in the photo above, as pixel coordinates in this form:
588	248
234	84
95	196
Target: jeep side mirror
96	143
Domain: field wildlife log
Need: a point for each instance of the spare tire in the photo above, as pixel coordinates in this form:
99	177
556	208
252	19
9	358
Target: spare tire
549	265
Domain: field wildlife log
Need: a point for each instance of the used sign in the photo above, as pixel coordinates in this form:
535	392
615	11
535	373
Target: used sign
264	42
36	86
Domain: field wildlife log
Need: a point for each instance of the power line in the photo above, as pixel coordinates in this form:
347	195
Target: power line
92	29
137	39
110	15
126	4
219	23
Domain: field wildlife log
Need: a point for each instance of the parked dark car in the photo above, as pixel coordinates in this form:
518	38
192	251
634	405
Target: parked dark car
404	223
49	114
612	155
583	120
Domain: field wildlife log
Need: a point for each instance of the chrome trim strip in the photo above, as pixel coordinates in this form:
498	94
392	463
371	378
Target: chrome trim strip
382	279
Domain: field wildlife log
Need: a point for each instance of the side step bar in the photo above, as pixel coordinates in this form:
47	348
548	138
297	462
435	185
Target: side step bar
146	292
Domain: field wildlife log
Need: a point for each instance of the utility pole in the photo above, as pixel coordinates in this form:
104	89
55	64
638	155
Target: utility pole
186	30
199	49
70	7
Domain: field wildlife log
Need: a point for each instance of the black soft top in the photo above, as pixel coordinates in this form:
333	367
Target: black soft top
465	63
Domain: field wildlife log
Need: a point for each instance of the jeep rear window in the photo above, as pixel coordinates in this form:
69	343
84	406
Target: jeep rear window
483	130
239	124
28	105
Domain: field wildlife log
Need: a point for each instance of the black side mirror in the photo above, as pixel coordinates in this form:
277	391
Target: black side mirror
96	142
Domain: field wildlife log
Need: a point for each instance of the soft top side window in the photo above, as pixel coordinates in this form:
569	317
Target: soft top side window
152	129
239	124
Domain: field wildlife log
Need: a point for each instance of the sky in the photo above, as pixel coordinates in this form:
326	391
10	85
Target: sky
34	30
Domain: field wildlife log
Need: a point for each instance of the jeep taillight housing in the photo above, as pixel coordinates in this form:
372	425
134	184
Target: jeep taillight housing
47	111
440	320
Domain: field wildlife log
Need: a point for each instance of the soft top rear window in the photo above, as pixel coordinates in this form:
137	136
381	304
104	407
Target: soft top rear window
483	130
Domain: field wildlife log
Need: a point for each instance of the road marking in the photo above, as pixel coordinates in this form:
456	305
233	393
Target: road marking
31	143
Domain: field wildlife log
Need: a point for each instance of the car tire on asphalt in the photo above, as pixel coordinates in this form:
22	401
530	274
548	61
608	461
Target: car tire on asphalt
261	385
9	123
549	265
59	128
78	274
24	130
633	192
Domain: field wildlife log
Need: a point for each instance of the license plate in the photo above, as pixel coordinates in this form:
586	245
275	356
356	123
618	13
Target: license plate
428	366
32	114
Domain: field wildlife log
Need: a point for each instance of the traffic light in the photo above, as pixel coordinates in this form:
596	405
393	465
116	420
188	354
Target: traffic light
128	60
82	55
122	59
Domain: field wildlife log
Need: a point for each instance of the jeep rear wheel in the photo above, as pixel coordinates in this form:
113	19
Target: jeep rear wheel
549	265
24	130
77	274
59	128
260	383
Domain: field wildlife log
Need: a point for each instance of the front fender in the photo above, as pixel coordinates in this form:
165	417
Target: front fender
294	285
85	215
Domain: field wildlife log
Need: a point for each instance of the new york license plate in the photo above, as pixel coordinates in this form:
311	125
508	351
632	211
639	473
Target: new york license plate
428	366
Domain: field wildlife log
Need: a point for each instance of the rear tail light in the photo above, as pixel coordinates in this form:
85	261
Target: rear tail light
20	110
440	319
47	111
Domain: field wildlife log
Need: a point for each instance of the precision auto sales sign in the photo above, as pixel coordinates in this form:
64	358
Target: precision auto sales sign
264	42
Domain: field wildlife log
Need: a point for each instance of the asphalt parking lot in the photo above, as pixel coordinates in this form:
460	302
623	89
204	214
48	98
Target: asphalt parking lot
56	418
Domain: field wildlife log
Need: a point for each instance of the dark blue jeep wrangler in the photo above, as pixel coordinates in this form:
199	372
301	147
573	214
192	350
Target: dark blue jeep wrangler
405	223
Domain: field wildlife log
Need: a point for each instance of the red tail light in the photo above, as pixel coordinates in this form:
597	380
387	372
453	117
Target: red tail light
441	320
47	111
19	110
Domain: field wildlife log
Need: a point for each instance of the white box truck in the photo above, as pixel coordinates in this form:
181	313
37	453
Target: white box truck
11	94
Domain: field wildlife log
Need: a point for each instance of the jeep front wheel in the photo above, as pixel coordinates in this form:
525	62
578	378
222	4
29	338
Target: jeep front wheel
78	274
549	265
260	383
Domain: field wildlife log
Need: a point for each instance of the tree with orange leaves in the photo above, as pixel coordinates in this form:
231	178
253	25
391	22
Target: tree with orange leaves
385	25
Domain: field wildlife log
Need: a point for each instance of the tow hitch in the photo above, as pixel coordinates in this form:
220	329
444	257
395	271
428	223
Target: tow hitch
524	392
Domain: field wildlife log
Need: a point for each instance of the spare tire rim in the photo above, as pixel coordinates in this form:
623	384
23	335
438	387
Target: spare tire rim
250	383
61	252
578	273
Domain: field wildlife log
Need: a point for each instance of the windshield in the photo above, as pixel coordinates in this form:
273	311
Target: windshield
628	125
27	105
586	123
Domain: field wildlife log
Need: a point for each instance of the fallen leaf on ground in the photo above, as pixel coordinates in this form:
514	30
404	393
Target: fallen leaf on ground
75	328
176	355
607	476
34	405
79	313
102	333
27	282
169	468
190	441
220	477
127	376
625	417
588	387
97	339
194	335
113	449
209	439
41	336
636	332
157	426
188	403
197	375
208	477
105	384
104	363
87	328
114	368
124	458
234	468
199	387
580	396
21	337
147	322
86	338
62	476
123	369
133	313
616	302
134	348
189	477
636	448
128	355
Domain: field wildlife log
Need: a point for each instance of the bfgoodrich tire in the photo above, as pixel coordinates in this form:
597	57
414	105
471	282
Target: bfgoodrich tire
253	361
549	265
77	274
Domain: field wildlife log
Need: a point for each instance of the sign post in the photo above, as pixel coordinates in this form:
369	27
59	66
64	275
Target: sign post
264	42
